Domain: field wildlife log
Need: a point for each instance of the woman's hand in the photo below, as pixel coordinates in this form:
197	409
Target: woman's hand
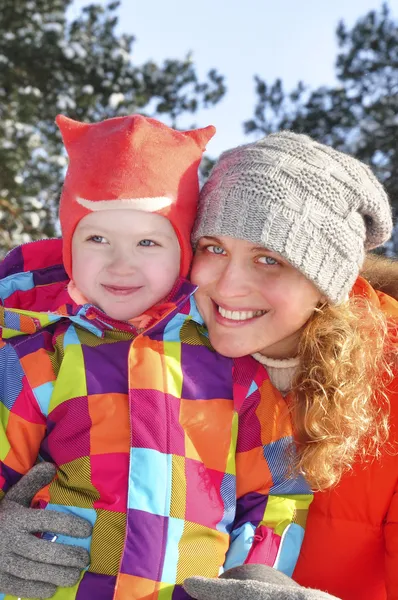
251	582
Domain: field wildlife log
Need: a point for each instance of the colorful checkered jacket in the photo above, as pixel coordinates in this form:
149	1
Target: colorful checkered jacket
179	457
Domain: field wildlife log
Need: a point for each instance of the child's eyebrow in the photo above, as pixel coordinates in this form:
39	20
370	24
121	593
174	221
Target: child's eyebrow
144	234
154	233
91	228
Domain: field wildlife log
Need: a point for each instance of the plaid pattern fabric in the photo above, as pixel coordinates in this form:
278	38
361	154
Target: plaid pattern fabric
178	456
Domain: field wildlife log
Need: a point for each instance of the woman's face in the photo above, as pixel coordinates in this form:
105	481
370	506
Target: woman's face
251	299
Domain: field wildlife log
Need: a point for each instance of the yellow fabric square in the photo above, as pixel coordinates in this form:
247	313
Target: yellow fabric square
201	550
71	379
107	542
178	487
281	510
173	371
73	485
165	591
4	443
231	460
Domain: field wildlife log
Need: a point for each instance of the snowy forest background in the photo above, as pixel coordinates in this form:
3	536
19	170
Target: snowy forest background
85	69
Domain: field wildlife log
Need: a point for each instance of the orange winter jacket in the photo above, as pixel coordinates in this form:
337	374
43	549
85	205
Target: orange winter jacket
350	547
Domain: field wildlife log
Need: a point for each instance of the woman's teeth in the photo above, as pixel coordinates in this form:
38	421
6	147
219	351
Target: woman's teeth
238	315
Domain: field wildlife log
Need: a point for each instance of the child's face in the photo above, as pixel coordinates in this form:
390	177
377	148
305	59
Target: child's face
125	261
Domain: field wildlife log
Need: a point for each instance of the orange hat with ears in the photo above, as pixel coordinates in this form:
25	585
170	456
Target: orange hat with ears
131	162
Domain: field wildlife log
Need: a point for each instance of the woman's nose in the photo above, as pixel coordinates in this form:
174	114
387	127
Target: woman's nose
233	281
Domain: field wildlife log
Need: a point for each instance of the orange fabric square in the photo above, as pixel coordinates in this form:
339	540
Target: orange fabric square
252	473
110	430
24	439
26	324
38	368
273	414
130	587
208	425
42	496
146	362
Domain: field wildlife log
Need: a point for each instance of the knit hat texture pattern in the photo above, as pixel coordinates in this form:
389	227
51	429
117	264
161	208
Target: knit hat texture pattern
320	208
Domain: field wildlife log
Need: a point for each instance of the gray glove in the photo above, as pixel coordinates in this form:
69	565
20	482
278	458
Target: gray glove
251	582
31	567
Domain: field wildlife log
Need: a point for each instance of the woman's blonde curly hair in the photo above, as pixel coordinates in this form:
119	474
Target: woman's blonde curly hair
339	405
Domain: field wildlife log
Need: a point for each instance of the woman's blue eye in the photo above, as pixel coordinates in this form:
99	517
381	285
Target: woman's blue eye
215	249
268	260
146	243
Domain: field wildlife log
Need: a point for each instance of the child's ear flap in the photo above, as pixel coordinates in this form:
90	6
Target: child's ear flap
70	130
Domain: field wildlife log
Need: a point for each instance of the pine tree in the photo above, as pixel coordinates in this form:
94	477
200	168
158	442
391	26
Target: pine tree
358	115
84	69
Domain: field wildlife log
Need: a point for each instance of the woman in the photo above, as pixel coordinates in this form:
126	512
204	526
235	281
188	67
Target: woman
281	235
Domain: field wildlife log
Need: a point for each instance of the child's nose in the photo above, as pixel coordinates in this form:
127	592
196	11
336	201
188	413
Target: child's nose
122	263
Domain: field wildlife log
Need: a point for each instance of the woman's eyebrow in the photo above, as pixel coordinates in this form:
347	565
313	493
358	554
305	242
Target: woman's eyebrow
210	237
261	248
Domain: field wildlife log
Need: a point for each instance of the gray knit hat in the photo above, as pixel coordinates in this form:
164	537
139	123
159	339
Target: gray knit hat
319	208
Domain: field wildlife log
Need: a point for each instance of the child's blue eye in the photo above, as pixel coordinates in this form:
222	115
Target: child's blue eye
146	243
97	239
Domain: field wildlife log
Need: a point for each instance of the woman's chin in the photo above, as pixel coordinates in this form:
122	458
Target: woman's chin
229	348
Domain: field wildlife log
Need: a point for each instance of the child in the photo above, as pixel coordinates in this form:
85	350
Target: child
159	442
